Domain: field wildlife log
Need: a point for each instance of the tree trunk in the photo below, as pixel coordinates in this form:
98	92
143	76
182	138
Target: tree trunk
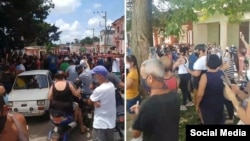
141	29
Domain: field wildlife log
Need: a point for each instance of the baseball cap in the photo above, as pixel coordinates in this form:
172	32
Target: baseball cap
99	70
66	59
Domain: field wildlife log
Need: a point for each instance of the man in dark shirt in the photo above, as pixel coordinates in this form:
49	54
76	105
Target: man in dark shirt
159	115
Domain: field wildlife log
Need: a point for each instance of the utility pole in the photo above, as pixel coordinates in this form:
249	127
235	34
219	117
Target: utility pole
93	31
103	14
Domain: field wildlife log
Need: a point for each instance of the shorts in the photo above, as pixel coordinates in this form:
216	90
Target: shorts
132	102
103	134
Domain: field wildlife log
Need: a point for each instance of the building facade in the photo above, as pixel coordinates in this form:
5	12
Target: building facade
119	40
186	36
106	45
217	29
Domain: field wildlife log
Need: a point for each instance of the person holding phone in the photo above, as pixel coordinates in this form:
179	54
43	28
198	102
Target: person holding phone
228	68
241	106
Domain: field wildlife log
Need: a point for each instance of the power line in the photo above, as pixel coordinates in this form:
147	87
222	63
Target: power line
103	14
93	31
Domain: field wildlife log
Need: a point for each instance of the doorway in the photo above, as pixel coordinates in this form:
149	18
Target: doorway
244	28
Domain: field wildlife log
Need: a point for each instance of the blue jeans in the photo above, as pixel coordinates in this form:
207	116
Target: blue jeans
5	98
132	102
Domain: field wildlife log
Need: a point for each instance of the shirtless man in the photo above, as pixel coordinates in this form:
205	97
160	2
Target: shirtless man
13	127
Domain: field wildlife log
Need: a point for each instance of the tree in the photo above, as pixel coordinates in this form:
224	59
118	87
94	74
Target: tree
22	23
95	39
83	49
141	29
77	41
47	34
182	11
89	41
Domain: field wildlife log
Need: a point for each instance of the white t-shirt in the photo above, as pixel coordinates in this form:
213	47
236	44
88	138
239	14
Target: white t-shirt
200	64
116	65
105	115
82	61
20	67
183	67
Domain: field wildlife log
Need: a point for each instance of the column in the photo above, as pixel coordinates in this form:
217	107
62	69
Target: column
223	34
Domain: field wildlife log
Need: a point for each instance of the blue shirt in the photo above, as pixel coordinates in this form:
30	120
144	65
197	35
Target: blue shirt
52	61
129	51
192	58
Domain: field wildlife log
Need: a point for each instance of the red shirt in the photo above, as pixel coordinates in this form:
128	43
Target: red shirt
171	83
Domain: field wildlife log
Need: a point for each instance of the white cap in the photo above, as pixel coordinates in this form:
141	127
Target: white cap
66	59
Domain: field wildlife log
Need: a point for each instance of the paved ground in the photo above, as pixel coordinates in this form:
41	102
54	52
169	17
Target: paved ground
39	128
129	133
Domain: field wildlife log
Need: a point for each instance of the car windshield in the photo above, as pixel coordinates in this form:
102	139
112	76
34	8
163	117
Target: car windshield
31	82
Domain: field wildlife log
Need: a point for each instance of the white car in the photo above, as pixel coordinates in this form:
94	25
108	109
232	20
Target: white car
29	94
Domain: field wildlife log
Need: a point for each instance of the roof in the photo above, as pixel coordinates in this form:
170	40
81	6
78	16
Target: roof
35	72
121	18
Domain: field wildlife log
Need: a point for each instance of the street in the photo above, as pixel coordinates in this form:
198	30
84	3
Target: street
40	126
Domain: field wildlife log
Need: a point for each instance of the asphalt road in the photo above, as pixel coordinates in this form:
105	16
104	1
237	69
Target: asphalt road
40	126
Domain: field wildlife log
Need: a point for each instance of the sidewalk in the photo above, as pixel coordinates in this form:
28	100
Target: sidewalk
129	123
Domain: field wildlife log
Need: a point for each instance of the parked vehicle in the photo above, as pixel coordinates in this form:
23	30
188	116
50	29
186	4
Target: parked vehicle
29	94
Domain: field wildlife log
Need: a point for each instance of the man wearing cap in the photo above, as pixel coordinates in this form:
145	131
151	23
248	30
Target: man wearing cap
199	66
65	64
103	98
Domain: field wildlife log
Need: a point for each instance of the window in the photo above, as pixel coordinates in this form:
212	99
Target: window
31	82
118	29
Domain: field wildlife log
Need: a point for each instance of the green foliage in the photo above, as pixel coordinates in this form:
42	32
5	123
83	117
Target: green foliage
47	33
95	39
83	49
89	41
26	18
183	11
48	47
128	15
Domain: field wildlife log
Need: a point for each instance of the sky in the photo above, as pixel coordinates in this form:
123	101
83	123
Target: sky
75	17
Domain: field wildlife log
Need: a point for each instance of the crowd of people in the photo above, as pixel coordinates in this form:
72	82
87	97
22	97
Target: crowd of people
100	76
205	77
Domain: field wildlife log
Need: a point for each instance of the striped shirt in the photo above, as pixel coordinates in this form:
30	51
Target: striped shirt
230	71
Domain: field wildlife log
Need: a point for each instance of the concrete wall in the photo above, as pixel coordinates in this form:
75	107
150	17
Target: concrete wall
213	33
233	36
200	33
218	29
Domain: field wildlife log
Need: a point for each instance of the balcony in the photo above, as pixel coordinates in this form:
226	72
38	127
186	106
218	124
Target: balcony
119	36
